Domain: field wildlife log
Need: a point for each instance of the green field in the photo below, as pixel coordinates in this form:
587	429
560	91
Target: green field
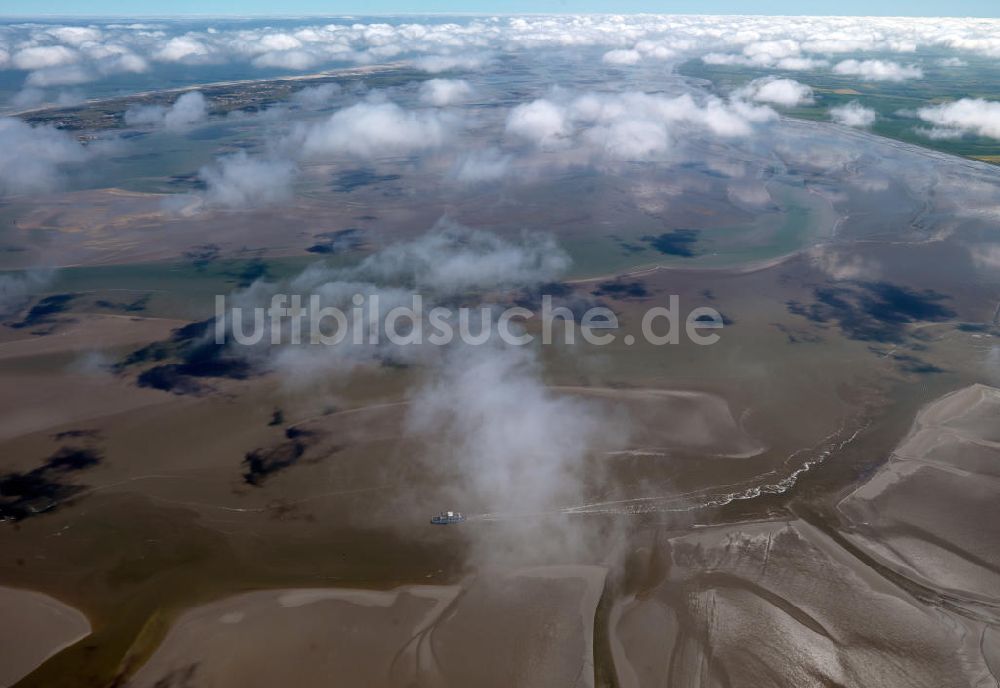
895	102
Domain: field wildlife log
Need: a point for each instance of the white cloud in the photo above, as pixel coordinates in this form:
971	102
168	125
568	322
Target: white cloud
841	265
941	134
723	59
541	122
59	76
435	64
40	57
454	260
784	92
800	64
441	92
17	288
656	50
482	166
621	57
989	45
869	183
58	65
643	50
315	97
732	119
753	194
853	114
240	181
823	155
189	109
780	54
952	62
295	60
76	35
968	115
28	97
986	256
448	44
279	41
631	125
629	139
183	49
768	52
436	45
116	60
33	159
448	261
878	70
519	446
372	129
483	413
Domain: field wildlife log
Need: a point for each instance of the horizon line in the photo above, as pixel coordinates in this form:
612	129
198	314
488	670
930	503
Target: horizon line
348	15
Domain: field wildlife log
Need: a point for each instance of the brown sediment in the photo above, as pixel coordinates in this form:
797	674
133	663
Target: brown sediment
930	512
187	531
35	627
780	604
540	618
87	332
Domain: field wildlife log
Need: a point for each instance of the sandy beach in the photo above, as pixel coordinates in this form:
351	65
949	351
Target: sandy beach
466	634
35	627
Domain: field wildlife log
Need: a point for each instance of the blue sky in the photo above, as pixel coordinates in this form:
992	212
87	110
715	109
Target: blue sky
978	8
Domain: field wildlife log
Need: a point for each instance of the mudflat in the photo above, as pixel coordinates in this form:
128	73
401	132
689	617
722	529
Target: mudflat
35	627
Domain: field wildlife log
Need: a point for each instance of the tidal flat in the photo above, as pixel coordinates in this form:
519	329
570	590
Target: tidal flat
808	500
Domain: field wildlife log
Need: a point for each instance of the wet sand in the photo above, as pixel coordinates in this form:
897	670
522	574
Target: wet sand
35	627
902	592
528	627
780	604
64	377
84	333
932	512
114	227
662	420
710	422
299	637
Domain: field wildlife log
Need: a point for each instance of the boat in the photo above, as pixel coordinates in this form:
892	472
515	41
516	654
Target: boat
447	518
